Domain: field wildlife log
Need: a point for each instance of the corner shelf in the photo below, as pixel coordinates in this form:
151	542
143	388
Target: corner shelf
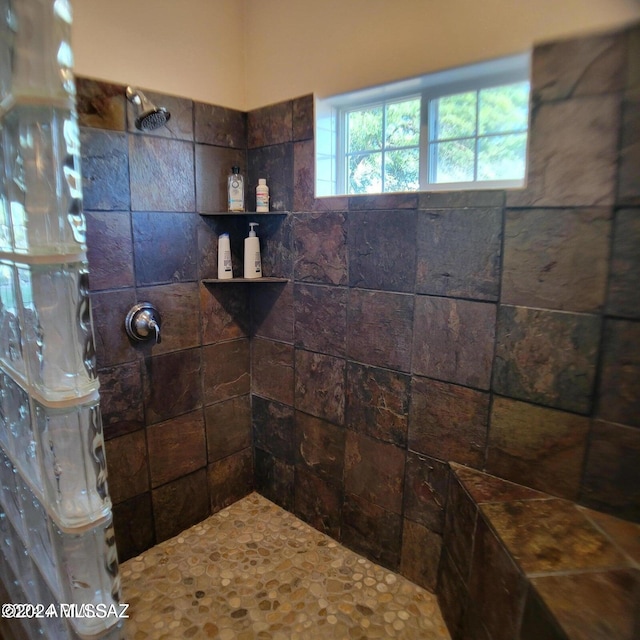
264	279
244	213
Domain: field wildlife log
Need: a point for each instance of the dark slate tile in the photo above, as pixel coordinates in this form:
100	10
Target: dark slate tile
133	525
180	124
452	595
425	491
537	447
420	555
207	231
556	259
226	370
318	502
572	154
272	370
176	447
458	252
162	174
121	399
378	403
303	118
380	328
382	250
274	428
100	104
320	318
320	247
105	170
548	357
578	67
372	531
624	284
272	312
331	203
611	476
275	164
320	385
230	479
220	126
172	384
228	426
473	627
109	309
304	176
109	249
320	447
496	586
461	199
628	174
213	166
274	479
127	465
270	125
374	470
383	201
224	312
537	621
180	504
454	340
448	422
276	244
619	392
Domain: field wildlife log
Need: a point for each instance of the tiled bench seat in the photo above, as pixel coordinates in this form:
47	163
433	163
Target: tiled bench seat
518	564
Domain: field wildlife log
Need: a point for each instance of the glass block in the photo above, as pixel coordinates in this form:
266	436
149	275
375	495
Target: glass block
43	182
75	472
11	355
9	495
6	243
56	331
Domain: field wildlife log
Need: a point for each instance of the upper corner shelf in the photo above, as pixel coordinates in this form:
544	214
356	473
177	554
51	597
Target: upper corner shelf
244	213
263	279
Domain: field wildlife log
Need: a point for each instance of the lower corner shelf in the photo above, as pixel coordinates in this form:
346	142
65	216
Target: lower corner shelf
264	280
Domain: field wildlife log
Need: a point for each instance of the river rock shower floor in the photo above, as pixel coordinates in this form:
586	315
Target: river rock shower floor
255	571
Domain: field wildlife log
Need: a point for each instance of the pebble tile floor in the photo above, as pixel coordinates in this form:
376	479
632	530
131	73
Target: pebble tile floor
254	571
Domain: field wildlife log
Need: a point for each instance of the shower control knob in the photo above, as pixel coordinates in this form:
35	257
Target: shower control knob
143	323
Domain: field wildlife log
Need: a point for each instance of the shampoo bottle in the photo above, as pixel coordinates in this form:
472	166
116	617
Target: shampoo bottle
235	190
262	196
252	263
225	270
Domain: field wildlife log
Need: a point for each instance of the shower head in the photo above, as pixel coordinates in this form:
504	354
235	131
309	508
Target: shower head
149	117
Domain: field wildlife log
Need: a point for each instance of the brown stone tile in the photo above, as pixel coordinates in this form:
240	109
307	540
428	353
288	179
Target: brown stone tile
548	357
228	425
473	627
556	259
572	154
550	536
273	428
537	621
276	244
448	422
230	479
318	502
496	586
274	479
597	604
619	392
303	118
270	125
180	504
611	480
380	328
425	491
624	534
377	403
452	595
220	126
320	247
180	124
383	201
537	447
121	399
420	555
320	385
371	531
100	104
224	311
331	203
275	164
459	252
213	166
320	447
459	527
460	340
171	385
304	176
628	176
133	525
109	249
624	284
320	318
382	250
374	470
461	199
127	466
272	370
226	370
177	447
162	174
272	312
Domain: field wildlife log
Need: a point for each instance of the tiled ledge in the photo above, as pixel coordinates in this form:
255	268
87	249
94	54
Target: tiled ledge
518	564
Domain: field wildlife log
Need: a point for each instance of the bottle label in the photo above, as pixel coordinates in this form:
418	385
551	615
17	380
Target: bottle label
227	261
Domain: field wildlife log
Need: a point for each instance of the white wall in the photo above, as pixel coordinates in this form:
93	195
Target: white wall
249	53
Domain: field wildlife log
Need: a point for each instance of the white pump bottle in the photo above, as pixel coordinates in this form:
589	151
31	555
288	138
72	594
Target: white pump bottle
252	263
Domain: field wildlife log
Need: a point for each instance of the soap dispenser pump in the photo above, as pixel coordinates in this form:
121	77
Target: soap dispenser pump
252	263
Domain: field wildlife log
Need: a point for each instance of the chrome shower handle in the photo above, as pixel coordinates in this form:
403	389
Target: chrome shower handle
143	322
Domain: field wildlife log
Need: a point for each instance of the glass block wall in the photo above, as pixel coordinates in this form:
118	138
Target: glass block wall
56	531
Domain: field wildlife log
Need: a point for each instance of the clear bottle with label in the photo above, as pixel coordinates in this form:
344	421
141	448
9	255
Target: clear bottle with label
235	190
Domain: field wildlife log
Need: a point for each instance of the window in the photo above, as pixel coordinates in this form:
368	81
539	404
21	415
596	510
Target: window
463	128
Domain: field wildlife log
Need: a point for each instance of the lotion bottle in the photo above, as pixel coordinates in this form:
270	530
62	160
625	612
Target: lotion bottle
252	263
262	196
225	269
235	190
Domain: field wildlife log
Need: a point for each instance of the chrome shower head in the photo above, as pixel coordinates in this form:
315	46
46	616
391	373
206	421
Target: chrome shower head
149	117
